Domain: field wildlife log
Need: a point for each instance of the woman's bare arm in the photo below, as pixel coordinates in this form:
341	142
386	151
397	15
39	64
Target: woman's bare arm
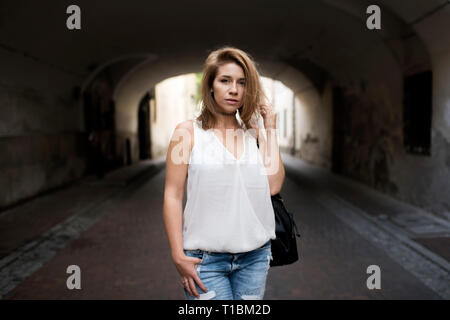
176	173
270	153
177	161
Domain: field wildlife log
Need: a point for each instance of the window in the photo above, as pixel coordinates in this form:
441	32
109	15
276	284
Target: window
417	113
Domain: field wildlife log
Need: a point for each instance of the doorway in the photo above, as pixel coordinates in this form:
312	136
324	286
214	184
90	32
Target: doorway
144	128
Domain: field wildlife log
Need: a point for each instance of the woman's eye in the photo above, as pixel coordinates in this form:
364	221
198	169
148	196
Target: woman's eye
224	80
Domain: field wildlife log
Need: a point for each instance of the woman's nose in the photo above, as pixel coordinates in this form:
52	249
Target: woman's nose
233	87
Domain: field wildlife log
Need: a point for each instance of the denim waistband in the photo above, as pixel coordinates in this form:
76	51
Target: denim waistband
198	251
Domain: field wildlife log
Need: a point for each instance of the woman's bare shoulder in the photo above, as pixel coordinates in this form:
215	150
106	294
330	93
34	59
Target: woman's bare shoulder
185	124
189	126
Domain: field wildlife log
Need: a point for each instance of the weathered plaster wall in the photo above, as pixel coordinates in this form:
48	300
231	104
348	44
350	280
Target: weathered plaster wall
41	138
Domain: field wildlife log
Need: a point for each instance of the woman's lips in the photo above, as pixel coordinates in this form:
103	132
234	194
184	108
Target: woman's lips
230	101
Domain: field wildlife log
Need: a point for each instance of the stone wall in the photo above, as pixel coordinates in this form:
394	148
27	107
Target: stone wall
41	138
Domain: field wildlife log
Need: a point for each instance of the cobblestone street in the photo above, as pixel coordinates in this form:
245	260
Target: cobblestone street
116	236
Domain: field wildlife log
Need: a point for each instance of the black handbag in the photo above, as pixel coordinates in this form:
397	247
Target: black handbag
284	247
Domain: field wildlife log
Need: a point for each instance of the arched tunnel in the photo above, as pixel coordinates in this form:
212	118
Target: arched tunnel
364	141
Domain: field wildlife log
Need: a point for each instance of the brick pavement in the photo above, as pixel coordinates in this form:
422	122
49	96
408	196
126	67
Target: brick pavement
125	255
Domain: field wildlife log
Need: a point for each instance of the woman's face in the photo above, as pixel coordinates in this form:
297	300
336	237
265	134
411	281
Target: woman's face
229	86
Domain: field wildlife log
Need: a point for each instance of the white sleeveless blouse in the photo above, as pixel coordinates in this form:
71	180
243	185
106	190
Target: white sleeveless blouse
228	207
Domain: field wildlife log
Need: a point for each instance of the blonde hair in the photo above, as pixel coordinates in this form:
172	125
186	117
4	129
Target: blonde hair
253	94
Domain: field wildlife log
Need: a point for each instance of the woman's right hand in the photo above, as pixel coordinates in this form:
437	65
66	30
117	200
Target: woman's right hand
186	267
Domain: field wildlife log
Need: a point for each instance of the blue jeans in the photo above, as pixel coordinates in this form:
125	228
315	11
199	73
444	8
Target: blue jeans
228	276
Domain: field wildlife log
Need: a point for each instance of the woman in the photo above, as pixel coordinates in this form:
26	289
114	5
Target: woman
220	244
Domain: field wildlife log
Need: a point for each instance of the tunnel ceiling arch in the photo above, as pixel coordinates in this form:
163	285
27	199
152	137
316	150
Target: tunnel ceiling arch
318	38
144	76
311	35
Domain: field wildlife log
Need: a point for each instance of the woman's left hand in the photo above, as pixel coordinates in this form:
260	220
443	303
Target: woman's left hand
269	115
